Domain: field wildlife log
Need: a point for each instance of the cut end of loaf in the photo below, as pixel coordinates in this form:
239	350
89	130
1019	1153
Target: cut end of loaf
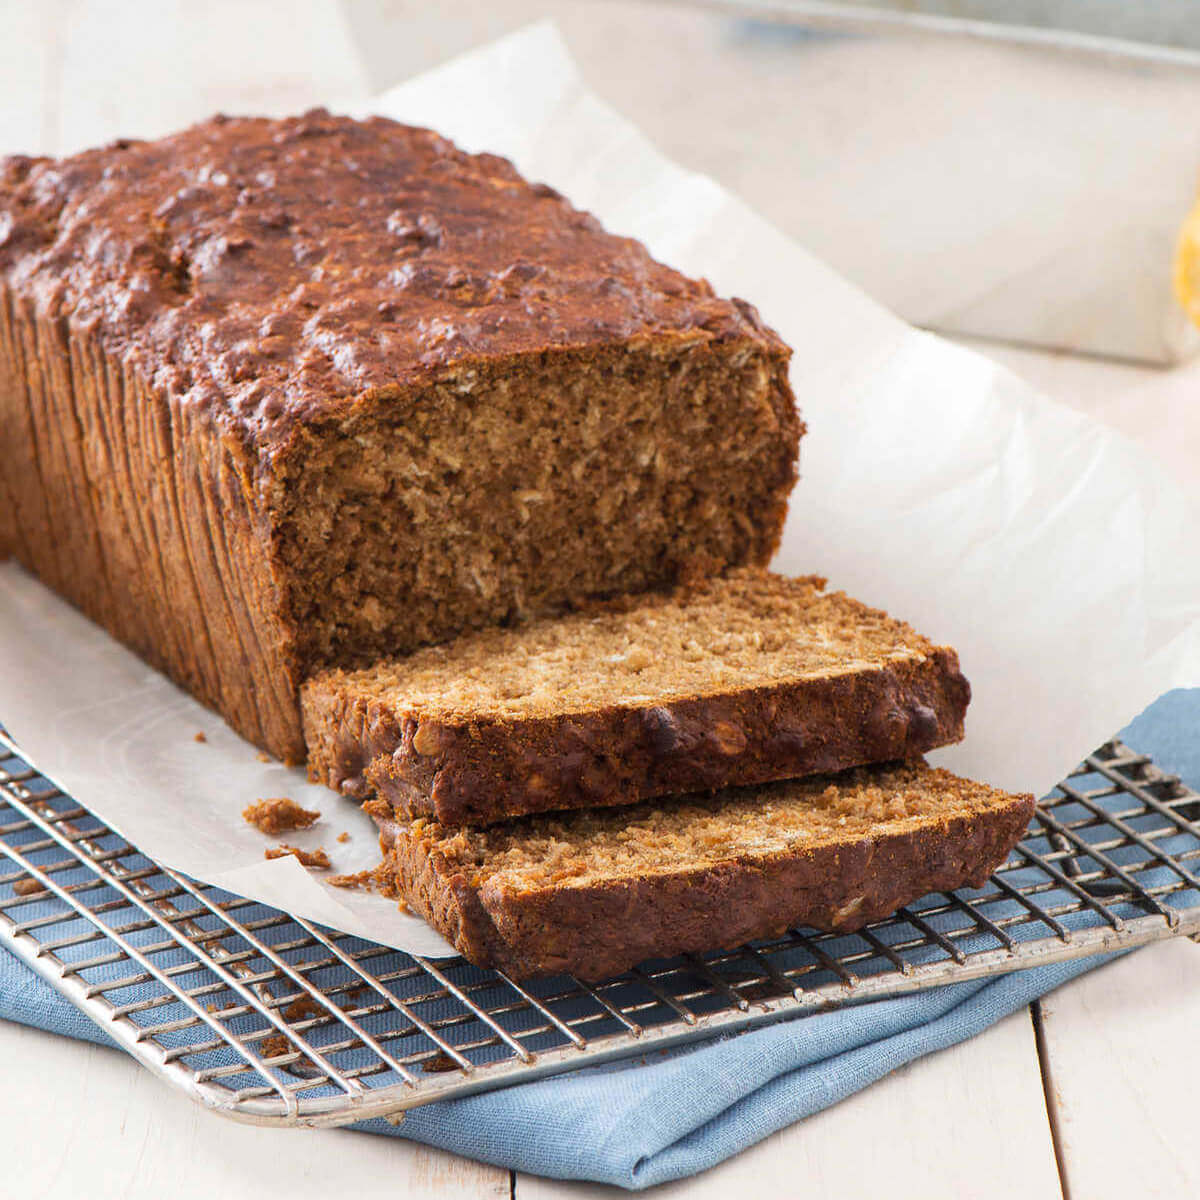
507	491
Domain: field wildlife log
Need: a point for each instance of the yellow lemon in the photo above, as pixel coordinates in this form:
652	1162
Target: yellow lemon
1187	266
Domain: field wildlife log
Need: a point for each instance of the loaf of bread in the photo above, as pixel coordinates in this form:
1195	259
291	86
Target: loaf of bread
596	892
284	394
735	680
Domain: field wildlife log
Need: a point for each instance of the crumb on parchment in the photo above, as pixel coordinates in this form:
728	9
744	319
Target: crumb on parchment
360	879
316	859
278	814
200	737
376	879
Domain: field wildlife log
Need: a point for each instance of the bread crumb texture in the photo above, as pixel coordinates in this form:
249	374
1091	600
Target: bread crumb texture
749	628
696	832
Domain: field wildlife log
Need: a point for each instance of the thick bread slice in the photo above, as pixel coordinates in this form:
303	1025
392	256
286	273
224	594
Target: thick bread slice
737	680
594	893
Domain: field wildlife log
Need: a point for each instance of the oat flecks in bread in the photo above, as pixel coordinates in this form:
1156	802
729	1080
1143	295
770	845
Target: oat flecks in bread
279	814
594	893
736	680
280	394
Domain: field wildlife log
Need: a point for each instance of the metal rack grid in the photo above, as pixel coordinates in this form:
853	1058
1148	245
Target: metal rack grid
274	1020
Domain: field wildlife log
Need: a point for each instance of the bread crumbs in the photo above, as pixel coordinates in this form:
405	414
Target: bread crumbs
360	879
278	814
300	1009
317	859
378	879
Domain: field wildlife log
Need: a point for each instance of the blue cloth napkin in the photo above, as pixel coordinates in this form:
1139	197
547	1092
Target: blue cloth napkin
643	1122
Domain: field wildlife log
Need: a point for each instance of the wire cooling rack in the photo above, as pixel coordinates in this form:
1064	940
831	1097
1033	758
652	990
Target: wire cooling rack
274	1020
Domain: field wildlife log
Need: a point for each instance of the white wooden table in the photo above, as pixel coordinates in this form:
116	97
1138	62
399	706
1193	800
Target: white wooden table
1085	1094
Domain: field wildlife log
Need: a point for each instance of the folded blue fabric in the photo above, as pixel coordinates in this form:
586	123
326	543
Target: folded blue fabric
640	1123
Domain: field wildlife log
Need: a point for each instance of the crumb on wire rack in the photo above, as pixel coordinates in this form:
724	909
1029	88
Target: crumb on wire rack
301	1009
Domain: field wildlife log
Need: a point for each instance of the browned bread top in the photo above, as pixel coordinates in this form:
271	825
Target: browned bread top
272	271
732	680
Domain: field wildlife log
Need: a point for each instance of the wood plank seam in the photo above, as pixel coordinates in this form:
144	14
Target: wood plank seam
1052	1106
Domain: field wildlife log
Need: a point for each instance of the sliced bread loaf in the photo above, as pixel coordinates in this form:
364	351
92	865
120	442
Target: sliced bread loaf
732	681
278	395
596	892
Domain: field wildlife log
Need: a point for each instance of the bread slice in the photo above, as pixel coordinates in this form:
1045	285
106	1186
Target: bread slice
736	680
595	892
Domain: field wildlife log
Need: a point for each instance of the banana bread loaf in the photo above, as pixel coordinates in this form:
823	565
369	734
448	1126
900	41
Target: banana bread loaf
596	892
281	394
733	680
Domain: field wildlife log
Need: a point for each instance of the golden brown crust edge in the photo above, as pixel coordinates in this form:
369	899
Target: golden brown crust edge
599	931
484	772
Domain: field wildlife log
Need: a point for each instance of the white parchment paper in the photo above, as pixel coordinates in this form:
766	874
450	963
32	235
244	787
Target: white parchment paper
1054	553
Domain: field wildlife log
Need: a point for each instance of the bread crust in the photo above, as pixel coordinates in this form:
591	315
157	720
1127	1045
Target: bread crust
480	772
125	505
599	930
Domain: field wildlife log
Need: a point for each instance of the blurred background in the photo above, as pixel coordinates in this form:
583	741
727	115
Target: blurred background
1013	172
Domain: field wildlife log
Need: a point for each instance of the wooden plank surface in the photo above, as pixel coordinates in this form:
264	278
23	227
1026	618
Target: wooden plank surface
77	73
79	1120
931	1129
1122	1056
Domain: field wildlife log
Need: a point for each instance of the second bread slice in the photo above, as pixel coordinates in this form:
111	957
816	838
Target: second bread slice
594	893
737	680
